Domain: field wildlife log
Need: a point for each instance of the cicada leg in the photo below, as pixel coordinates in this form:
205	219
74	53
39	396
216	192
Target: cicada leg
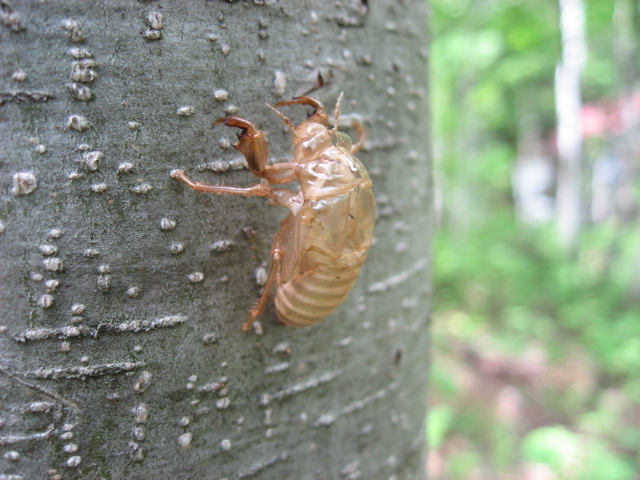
253	145
361	134
280	196
276	260
355	122
319	114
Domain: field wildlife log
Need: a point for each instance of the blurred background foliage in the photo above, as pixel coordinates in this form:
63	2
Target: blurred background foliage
536	368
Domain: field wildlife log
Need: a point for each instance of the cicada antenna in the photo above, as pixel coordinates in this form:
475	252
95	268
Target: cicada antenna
336	114
286	121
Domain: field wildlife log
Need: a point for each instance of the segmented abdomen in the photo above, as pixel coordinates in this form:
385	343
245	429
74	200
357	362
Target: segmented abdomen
309	297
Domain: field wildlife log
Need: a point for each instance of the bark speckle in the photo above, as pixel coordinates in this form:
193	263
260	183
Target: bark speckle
70	448
176	248
185	111
46	249
277	368
155	20
73	29
19	76
12	456
257	327
279	83
23	183
282	347
267	398
80	53
141	414
74	461
55	233
220	95
231	109
80	92
219	166
45	301
167	224
261	275
138	433
91	160
99	187
10	18
134	292
142	189
209	338
79	123
53	264
125	168
83	71
51	285
20	96
152	34
184	421
136	452
184	440
143	382
222	246
195	277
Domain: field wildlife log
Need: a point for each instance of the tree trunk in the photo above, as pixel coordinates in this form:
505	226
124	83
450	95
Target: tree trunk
571	176
123	292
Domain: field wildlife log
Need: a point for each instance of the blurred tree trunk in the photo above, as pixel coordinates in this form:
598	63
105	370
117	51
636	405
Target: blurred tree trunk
123	292
626	24
571	179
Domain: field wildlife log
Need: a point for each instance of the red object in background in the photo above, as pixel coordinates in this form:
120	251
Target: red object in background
606	117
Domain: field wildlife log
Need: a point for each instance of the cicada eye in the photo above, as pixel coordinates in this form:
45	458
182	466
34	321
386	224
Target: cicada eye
343	141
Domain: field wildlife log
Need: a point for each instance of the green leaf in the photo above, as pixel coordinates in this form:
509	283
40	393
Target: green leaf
439	422
554	446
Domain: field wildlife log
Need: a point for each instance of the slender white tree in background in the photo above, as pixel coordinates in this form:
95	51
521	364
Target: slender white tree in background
571	176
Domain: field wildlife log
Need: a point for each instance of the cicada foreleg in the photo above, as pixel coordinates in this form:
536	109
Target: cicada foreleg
319	114
253	145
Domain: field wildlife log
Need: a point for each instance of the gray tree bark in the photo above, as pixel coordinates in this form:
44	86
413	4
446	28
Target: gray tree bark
123	292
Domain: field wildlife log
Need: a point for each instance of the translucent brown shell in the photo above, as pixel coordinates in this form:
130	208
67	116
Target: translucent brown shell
321	246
